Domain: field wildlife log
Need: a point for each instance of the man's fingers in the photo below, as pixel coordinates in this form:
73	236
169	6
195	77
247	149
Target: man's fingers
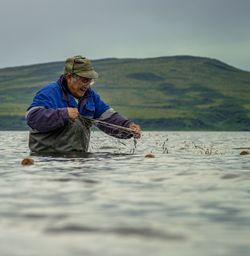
136	130
73	113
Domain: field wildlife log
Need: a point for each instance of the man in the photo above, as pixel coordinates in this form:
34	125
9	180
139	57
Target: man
61	112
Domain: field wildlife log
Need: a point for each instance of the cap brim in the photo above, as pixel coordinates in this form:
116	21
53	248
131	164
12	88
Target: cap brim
89	74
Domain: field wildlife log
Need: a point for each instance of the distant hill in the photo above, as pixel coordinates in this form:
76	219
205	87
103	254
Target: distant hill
164	93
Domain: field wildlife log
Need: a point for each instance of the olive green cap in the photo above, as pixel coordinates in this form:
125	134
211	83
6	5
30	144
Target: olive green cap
80	66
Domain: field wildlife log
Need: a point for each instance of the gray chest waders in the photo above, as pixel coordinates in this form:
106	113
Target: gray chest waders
74	136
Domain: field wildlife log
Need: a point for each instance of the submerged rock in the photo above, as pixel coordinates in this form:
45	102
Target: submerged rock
150	155
27	161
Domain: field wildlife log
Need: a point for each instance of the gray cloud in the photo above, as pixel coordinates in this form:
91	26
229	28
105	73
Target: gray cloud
35	31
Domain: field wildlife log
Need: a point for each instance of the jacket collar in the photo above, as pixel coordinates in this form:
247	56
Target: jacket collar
65	91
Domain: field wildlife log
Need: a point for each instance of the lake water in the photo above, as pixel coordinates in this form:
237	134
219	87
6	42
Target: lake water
192	198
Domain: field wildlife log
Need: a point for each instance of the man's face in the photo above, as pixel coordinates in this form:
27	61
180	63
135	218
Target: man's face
78	85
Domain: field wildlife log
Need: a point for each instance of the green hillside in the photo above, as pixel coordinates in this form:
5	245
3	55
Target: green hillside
165	93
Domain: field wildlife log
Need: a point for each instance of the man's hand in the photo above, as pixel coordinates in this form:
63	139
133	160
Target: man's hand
136	130
73	113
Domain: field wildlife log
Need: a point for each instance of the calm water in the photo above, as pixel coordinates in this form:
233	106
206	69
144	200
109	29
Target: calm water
192	199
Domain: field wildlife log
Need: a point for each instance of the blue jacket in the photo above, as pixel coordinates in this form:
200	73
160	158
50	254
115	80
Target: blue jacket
53	96
48	110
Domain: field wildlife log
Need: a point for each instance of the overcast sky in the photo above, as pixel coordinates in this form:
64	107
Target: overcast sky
38	31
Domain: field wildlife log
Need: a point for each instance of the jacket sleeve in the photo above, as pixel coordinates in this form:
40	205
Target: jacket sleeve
112	117
43	114
103	112
45	120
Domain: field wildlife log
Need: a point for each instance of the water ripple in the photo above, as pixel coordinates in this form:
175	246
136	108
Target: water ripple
121	231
